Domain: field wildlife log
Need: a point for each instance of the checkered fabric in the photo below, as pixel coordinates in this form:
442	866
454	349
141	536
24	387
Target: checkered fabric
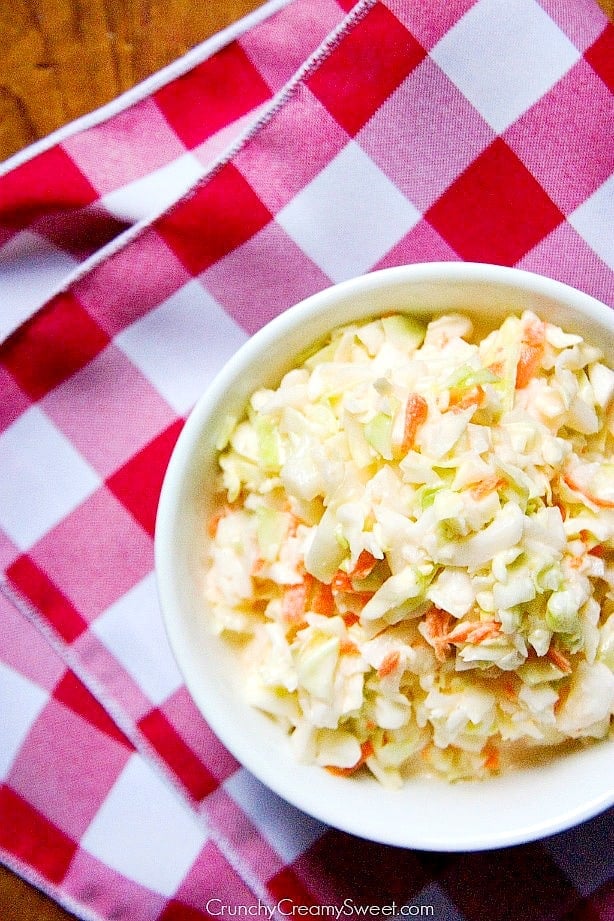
321	141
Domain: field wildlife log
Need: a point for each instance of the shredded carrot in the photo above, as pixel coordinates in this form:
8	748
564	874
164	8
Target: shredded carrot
509	689
257	567
474	632
416	411
214	521
347	647
350	618
559	659
601	503
473	397
365	564
341	582
492	760
389	663
366	749
437	624
497	368
486	486
531	353
322	600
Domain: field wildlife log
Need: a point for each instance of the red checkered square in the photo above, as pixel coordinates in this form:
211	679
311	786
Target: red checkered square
219	216
74	695
52	345
214	93
601	56
54	768
129	283
286	885
49	182
27	835
495	211
95	554
250	286
108	410
180	710
39	589
138	483
190	770
370	62
512	884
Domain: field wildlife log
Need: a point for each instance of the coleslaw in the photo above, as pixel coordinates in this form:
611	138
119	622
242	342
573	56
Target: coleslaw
414	545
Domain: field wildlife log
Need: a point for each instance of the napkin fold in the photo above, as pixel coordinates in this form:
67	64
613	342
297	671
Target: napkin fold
315	141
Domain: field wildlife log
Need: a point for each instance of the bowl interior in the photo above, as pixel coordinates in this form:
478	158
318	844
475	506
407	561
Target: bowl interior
427	813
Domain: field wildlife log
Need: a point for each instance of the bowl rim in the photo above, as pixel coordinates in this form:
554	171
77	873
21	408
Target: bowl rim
315	305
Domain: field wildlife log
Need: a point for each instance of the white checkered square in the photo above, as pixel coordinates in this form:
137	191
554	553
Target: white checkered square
287	830
182	344
344	232
43	478
31	270
501	68
594	221
132	630
144	198
22	701
160	837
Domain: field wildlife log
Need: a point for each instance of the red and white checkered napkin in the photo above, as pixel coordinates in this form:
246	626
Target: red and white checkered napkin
318	141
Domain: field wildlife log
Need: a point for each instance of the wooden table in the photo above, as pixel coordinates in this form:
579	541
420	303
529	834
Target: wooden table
58	60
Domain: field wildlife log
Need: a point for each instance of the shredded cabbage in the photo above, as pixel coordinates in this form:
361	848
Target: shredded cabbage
415	539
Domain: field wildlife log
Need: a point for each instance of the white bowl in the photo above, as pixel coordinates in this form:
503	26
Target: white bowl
429	814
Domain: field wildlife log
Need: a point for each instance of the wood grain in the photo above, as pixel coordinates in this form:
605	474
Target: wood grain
60	59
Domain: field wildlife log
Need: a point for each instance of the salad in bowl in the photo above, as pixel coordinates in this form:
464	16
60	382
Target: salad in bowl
415	544
384	556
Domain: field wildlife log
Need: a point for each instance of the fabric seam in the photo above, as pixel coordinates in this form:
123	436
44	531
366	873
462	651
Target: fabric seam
133	734
279	100
145	88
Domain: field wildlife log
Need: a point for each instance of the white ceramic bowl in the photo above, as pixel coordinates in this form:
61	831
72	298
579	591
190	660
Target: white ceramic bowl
427	813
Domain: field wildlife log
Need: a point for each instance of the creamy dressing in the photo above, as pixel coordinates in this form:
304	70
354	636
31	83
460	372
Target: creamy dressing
414	548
